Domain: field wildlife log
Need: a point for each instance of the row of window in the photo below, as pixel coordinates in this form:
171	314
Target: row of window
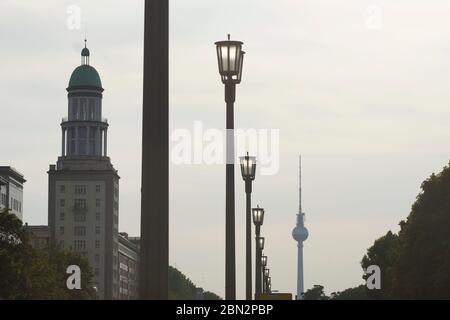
78	230
84	108
80	244
79	189
79	203
14	204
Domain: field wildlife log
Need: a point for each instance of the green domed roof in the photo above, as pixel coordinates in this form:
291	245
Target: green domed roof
85	76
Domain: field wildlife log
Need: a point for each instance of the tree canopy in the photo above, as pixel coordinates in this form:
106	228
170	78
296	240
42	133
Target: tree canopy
415	264
37	273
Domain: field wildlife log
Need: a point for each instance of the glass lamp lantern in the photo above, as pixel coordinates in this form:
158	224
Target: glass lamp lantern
230	58
258	216
261	241
264	261
248	167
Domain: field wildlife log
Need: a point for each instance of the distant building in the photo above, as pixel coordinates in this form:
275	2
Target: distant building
11	190
83	199
40	236
128	268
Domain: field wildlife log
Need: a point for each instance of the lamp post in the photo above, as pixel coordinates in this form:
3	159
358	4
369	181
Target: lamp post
263	267
248	170
269	285
264	261
258	220
230	59
266	273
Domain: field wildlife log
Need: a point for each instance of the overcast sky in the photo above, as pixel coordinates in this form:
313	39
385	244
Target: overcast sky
360	88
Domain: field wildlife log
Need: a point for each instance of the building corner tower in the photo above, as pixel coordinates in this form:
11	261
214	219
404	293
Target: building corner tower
300	234
83	195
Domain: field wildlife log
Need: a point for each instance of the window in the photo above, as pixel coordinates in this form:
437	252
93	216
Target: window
79	189
74	108
80	204
97	202
79	231
97	272
62	216
82	113
62	189
97	230
79	244
79	217
61	230
82	138
62	202
61	243
97	216
97	258
97	188
71	140
97	244
92	133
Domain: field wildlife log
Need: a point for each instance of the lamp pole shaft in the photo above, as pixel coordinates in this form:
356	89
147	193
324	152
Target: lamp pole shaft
230	244
248	243
258	269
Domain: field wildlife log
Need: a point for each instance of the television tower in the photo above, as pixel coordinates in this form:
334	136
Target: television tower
300	234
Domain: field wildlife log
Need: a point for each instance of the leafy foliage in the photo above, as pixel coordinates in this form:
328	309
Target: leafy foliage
415	263
356	293
315	293
182	288
36	273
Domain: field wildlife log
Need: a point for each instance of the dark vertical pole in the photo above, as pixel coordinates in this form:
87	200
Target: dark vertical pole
230	250
248	242
154	260
258	265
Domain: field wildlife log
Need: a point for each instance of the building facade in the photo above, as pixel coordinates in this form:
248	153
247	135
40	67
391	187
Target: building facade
83	195
128	268
11	190
40	236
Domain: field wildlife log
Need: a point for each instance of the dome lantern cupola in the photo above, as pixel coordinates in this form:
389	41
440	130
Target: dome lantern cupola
85	76
85	54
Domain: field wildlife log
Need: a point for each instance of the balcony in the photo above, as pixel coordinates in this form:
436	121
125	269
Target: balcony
66	119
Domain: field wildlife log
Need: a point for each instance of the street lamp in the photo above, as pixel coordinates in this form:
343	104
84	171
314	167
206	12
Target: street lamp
264	261
258	219
269	285
230	58
265	275
248	170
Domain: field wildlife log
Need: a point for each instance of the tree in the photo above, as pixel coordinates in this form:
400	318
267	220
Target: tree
383	253
36	273
422	270
208	295
415	264
356	293
315	293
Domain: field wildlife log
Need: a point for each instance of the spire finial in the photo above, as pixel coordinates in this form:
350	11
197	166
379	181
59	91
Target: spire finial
229	37
300	184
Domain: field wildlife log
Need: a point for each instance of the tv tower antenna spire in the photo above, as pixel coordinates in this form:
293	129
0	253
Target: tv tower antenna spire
300	234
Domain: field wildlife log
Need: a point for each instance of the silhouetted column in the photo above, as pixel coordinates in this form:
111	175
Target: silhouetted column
154	259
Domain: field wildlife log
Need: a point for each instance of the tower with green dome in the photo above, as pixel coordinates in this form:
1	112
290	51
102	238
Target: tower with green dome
83	204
